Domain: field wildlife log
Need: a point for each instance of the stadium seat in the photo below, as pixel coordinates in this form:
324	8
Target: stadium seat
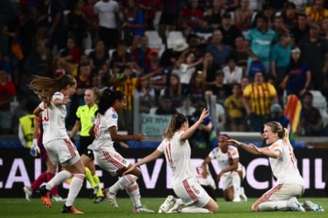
174	37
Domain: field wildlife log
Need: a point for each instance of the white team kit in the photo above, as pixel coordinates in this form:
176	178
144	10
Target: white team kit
59	147
289	180
185	184
103	146
223	161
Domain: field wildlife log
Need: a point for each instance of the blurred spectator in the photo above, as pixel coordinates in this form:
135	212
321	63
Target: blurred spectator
280	55
279	26
243	15
261	39
298	77
121	58
218	88
316	12
134	23
214	13
7	92
197	84
170	14
108	12
146	94
186	108
165	106
99	56
77	23
219	50
301	29
311	121
173	90
289	15
312	44
192	15
232	72
255	66
71	52
229	30
258	98
235	109
39	60
277	114
185	67
324	29
241	52
208	67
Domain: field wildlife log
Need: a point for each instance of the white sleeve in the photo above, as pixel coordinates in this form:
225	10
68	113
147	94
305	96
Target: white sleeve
233	152
95	9
42	106
161	146
277	146
213	153
111	119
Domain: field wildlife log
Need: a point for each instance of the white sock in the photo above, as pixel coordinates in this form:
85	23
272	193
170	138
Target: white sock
273	206
134	193
194	209
236	185
122	183
57	179
74	189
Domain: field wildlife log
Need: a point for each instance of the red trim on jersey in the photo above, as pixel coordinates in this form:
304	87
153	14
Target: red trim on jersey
189	190
267	195
168	152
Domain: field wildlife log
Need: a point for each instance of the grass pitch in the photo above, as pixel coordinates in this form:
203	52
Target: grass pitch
20	208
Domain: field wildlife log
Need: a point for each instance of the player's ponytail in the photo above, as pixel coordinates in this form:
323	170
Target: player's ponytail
175	124
276	127
45	87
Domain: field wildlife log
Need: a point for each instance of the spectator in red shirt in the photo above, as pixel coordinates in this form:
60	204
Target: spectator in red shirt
71	53
7	91
192	15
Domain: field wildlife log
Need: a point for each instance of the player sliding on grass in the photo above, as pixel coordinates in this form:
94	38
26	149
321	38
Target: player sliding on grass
290	184
231	171
176	149
105	132
55	94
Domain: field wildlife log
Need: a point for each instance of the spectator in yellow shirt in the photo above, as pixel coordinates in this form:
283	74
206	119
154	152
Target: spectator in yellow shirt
258	98
235	109
317	11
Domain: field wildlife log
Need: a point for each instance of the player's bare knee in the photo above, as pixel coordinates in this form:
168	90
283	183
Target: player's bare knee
254	207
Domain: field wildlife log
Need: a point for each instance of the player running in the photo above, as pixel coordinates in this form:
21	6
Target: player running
85	116
283	164
105	131
55	94
177	151
231	171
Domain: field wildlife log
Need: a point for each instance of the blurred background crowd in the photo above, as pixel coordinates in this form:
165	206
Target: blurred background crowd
173	55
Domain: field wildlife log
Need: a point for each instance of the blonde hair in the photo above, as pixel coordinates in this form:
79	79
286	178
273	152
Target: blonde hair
276	127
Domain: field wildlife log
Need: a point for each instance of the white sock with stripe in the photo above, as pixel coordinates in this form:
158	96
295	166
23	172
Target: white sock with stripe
58	178
122	183
74	189
194	209
273	206
134	193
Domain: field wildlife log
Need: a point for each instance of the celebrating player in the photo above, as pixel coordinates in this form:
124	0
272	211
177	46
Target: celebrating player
283	163
55	94
231	170
176	149
105	131
85	115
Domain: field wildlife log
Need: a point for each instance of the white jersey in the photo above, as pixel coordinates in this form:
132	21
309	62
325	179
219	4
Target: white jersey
107	13
177	154
223	159
285	168
53	120
101	129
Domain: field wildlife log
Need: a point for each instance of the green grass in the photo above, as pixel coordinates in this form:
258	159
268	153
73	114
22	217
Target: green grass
10	208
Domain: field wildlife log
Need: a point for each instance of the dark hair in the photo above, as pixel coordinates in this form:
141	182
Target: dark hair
276	127
175	124
45	87
107	100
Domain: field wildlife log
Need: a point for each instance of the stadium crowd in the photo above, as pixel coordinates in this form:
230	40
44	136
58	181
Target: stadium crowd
250	54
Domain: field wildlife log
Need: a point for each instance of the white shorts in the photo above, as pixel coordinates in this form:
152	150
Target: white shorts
191	192
62	151
227	179
110	160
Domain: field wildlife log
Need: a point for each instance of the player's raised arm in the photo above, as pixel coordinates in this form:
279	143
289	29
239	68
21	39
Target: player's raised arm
190	131
251	148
